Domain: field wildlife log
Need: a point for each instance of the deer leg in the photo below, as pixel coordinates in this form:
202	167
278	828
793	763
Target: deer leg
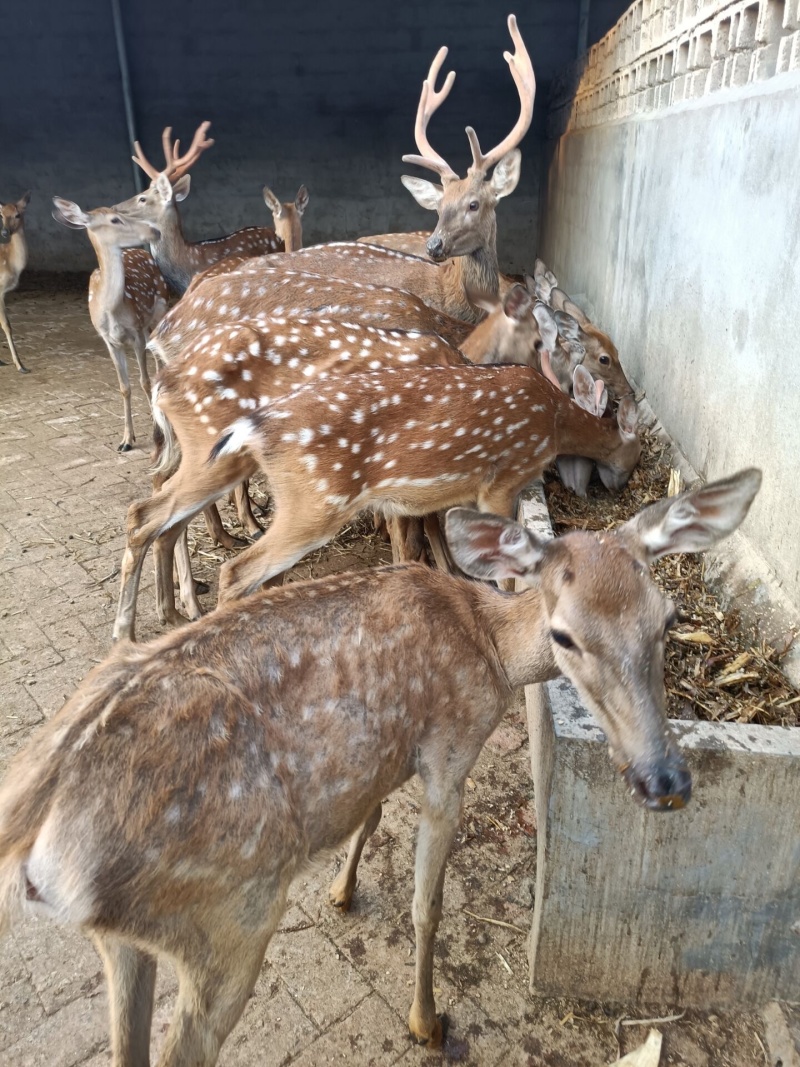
441	815
244	510
188	586
10	337
407	540
163	560
343	885
438	546
131	977
117	353
141	359
181	497
217	532
214	989
293	533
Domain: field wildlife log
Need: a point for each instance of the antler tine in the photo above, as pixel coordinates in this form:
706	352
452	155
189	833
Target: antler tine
141	159
178	165
525	81
429	101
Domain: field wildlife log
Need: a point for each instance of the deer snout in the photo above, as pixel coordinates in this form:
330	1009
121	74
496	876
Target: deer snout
435	247
5	234
663	786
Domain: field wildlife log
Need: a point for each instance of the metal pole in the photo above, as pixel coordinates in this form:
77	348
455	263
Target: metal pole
583	27
127	95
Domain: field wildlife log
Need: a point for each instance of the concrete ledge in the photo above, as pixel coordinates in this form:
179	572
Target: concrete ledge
699	907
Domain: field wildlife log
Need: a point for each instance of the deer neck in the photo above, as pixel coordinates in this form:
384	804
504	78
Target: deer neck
478	273
109	292
519	633
172	252
580	434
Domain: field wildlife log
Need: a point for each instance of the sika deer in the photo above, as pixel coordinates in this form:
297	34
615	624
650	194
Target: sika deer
233	369
127	294
467	229
169	804
288	218
390	441
13	257
178	259
584	343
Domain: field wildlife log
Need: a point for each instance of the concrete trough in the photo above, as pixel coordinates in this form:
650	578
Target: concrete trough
697	907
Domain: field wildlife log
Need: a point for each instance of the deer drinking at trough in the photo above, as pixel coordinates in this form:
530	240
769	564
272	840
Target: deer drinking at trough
127	294
167	807
400	442
13	258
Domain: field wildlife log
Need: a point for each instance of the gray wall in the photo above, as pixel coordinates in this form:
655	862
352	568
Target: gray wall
675	207
321	93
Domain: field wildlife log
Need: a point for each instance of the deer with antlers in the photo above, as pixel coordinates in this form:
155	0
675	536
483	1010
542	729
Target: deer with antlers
400	442
178	259
167	807
466	234
13	258
127	294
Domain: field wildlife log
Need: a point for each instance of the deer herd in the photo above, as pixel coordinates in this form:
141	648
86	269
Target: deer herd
167	807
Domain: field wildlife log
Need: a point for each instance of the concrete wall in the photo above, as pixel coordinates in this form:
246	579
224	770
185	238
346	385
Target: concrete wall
672	202
321	93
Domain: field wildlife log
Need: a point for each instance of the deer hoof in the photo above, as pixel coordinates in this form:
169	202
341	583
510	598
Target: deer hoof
201	588
125	447
340	895
436	1037
23	370
256	535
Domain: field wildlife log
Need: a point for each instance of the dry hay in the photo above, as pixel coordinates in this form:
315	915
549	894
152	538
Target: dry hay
716	669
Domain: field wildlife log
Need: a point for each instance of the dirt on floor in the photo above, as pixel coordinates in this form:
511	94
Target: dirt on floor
333	987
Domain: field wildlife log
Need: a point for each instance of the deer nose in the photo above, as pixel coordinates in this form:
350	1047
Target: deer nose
665	787
435	247
4	234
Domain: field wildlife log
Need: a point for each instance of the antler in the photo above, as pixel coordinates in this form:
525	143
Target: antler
175	165
429	101
525	80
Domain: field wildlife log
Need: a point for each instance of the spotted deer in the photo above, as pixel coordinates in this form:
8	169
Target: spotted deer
127	294
399	442
234	369
13	258
288	217
466	234
178	259
167	807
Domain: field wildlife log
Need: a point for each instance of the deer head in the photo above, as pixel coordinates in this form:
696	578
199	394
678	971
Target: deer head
12	217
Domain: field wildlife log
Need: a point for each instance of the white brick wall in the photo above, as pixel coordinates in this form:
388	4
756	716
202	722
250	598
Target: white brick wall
662	52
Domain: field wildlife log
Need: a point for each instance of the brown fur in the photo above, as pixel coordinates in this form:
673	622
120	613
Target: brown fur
13	259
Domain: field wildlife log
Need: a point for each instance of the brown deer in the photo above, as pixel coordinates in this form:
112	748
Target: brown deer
167	807
232	369
178	259
288	217
13	258
400	442
467	228
127	294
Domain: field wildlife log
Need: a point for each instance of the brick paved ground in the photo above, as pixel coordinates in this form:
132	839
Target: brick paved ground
333	987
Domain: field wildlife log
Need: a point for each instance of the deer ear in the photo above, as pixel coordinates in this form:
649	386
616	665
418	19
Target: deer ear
558	298
571	308
518	303
425	193
69	214
628	416
23	201
568	327
301	200
695	520
273	203
490	547
546	322
505	175
583	389
539	268
180	190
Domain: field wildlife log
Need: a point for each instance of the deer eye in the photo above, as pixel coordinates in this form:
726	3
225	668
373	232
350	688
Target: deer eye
474	205
562	639
116	222
142	199
605	360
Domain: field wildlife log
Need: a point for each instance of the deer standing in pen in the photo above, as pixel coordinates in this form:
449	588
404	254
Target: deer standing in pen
245	368
13	258
467	229
127	294
400	442
178	259
167	807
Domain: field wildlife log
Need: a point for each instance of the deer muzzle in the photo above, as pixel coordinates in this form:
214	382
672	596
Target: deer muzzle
662	786
435	248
